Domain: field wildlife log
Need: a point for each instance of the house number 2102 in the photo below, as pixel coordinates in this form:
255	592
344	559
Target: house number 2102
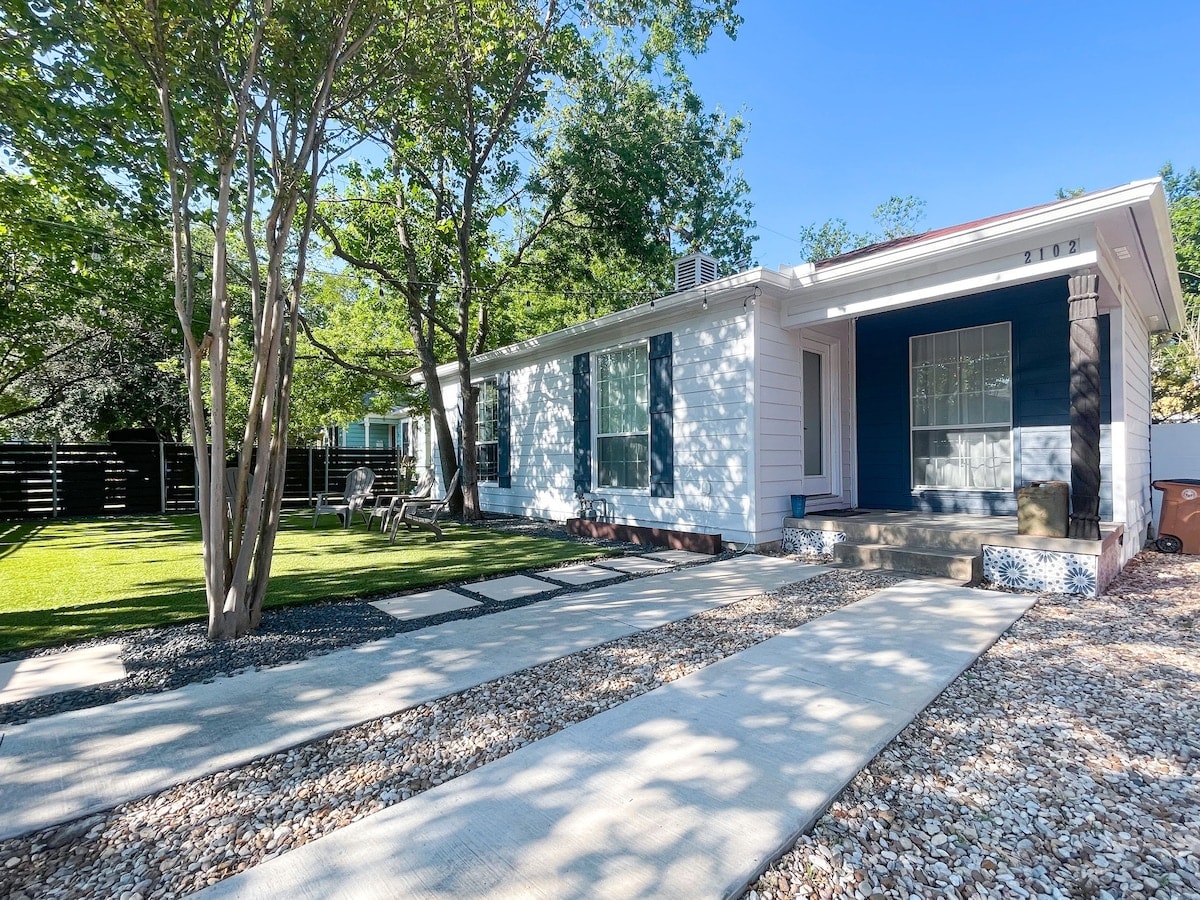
1052	252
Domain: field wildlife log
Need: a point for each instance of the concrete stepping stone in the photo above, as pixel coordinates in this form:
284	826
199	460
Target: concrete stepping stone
514	587
426	603
579	574
66	671
634	565
678	557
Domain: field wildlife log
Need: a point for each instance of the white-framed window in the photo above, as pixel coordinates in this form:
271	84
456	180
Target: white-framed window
487	431
404	438
623	417
961	407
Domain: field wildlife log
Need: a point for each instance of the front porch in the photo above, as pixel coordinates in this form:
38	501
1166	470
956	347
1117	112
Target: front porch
973	549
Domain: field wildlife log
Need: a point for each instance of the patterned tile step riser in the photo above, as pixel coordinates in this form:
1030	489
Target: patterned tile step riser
811	542
1016	568
1042	571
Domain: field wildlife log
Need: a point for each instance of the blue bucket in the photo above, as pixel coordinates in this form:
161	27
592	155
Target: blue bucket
798	501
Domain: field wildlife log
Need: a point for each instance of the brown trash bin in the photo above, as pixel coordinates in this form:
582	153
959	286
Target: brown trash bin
1179	523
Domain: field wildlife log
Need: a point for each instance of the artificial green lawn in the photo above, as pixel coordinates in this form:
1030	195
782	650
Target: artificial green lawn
65	581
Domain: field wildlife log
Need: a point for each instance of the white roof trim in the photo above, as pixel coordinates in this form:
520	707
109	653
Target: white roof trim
582	335
965	260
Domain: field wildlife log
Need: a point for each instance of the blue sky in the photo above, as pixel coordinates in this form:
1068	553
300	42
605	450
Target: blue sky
977	108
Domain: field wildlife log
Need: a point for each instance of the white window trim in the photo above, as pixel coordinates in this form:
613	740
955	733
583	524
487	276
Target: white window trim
974	427
597	435
478	420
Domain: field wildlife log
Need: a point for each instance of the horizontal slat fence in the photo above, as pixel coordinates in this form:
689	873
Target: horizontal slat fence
42	481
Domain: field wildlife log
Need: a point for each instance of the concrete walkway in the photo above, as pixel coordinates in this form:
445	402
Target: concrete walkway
687	791
61	767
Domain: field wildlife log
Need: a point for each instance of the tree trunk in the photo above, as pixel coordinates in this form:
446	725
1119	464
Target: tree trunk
469	406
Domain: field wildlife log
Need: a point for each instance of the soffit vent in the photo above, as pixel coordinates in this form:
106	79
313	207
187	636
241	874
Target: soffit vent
694	270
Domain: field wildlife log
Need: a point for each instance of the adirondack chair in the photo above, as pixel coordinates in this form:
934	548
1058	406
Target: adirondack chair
434	508
350	500
387	505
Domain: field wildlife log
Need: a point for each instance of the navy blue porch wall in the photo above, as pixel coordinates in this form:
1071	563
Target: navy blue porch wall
1041	396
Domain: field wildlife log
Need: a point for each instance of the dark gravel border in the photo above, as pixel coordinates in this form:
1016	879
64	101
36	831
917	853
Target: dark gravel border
163	659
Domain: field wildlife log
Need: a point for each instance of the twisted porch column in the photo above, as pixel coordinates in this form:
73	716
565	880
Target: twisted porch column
1085	408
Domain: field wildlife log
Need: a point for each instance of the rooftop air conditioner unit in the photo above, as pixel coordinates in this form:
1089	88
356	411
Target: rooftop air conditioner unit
694	270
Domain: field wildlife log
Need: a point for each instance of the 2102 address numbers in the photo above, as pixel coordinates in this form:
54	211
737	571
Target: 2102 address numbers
1052	252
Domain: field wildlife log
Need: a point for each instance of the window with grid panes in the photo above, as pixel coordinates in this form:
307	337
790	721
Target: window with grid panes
961	393
487	431
623	418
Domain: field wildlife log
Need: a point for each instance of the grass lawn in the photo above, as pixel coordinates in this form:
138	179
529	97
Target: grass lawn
65	581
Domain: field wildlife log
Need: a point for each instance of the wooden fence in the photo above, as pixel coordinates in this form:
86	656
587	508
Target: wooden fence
43	481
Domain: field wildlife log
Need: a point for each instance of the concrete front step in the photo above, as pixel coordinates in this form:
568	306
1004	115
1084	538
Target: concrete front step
866	531
959	566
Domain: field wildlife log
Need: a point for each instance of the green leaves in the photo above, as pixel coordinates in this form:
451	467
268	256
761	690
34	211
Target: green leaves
85	319
1175	358
896	217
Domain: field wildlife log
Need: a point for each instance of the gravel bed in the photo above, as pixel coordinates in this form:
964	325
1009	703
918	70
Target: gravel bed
1064	763
195	834
163	659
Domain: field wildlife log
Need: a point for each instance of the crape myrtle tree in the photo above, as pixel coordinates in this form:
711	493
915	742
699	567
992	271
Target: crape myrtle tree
478	173
248	122
233	106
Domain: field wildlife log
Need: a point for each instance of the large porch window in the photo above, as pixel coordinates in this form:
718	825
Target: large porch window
623	432
961	393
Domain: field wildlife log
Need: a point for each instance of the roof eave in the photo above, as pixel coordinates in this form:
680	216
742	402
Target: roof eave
556	342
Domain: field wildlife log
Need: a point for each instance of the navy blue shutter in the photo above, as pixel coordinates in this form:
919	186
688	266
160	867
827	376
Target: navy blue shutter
662	435
504	435
583	422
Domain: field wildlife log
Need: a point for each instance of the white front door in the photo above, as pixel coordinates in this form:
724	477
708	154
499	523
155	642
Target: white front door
818	373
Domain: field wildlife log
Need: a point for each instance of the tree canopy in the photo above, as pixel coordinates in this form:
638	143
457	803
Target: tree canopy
87	333
535	136
895	217
1175	359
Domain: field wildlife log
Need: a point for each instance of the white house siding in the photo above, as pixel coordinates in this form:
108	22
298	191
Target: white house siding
542	422
1131	414
779	468
713	425
711	376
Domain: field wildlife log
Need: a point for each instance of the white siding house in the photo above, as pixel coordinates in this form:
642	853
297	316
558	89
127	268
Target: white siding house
931	374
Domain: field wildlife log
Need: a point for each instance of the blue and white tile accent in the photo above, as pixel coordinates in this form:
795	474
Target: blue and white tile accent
811	541
1042	571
